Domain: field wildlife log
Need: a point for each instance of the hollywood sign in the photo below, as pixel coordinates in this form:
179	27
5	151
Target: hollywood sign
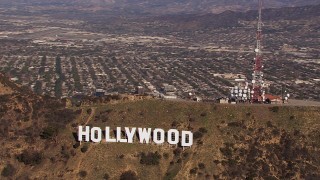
145	135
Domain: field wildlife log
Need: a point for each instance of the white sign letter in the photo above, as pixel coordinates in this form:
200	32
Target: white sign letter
173	136
81	133
95	130
130	134
119	139
144	135
108	138
186	138
158	136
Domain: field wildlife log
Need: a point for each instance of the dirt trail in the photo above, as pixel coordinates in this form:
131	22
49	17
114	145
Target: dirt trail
77	169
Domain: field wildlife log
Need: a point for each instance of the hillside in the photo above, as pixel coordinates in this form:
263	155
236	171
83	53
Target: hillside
229	141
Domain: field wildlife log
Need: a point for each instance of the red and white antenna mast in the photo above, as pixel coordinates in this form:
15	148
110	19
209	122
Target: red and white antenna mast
258	92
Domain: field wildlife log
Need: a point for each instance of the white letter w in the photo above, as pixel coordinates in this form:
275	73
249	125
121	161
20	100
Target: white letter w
144	135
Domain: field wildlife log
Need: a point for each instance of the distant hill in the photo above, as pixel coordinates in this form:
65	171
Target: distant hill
263	142
232	18
162	6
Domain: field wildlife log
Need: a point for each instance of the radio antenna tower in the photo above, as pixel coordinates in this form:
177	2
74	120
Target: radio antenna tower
258	93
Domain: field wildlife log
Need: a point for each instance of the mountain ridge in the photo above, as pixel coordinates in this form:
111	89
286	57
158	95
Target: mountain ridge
161	6
232	18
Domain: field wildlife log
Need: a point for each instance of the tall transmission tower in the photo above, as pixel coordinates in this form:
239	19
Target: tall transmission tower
258	92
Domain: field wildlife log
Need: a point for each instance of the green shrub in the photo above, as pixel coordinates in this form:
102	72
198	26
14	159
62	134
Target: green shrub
150	158
194	170
8	171
201	166
226	151
76	145
235	124
83	174
106	176
274	109
30	157
192	119
166	155
269	124
203	130
203	114
129	175
49	132
65	153
185	154
174	124
84	148
177	152
89	111
197	135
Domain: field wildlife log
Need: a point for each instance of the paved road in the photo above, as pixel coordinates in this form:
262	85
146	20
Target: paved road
294	102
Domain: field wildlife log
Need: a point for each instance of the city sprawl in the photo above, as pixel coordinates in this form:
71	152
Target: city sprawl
61	57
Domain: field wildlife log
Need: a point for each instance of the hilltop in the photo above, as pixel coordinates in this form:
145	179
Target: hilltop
230	141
